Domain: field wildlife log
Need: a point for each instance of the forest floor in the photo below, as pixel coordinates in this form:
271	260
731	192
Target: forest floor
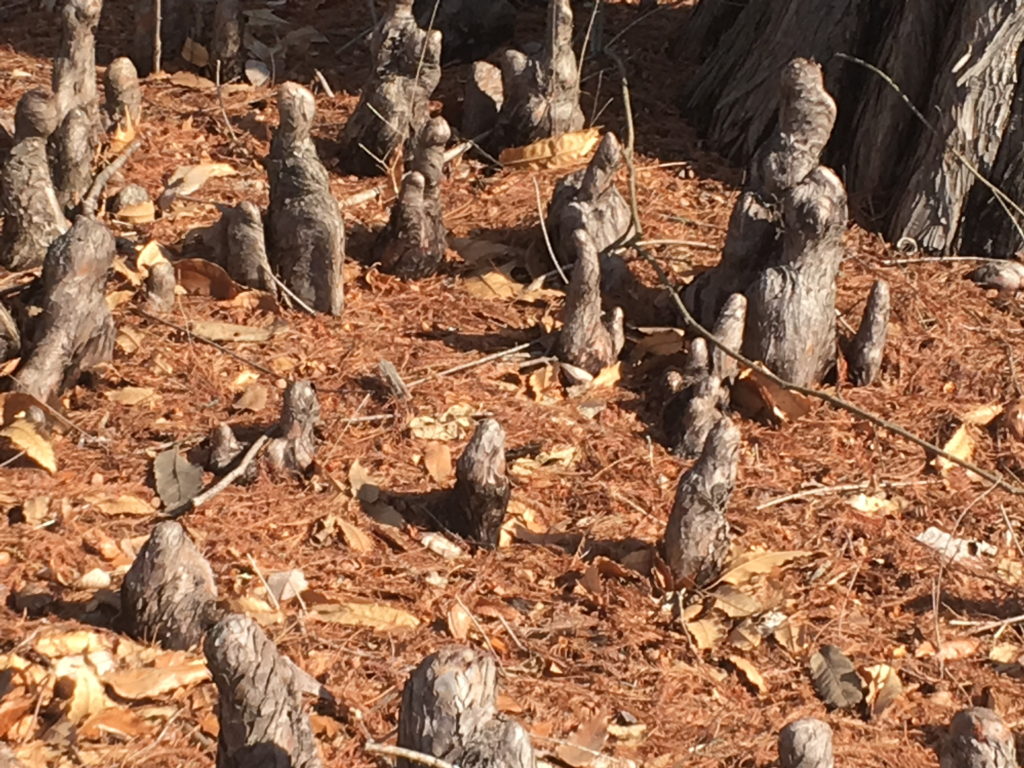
582	633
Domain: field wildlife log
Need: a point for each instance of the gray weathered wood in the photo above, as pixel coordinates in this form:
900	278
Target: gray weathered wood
448	711
868	346
74	66
169	595
588	339
160	284
262	720
122	94
305	234
70	150
540	93
32	215
696	541
75	330
174	22
293	447
413	242
245	251
978	738
482	100
806	743
477	506
394	102
226	37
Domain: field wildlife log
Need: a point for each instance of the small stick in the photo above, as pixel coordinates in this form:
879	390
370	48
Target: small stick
931	260
92	197
827	489
214	344
547	238
288	291
197	501
158	43
408	754
473	364
688	243
259	574
220	100
323	83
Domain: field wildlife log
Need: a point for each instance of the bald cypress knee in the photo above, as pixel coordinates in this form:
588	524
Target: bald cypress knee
477	505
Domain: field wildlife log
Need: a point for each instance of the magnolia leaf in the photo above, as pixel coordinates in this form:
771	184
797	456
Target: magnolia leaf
835	680
355	537
24	437
177	480
705	632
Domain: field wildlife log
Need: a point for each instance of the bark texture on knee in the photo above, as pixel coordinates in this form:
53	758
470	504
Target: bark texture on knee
449	711
74	67
294	447
413	242
541	95
806	743
479	501
867	347
588	339
71	149
122	95
168	595
32	215
978	738
245	257
589	199
305	233
262	720
696	542
75	330
394	104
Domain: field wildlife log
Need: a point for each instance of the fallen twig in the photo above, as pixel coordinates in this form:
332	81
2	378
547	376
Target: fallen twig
931	260
827	489
214	344
473	363
408	754
220	101
547	237
248	458
91	200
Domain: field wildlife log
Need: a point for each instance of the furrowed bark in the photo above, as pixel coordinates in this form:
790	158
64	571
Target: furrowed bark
588	340
226	40
448	711
868	345
696	540
394	104
75	330
74	67
169	595
32	215
806	743
480	499
305	233
294	447
245	257
70	150
262	721
483	99
413	243
541	94
978	738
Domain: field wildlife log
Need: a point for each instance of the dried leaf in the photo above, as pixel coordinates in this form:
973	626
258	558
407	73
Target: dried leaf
791	637
476	251
705	632
960	445
540	380
745	636
872	505
177	480
1005	653
883	687
115	299
153	682
186	79
284	585
194	53
440	545
130	395
259	609
750	564
118	721
983	415
459	621
253	398
749	674
949	650
204	278
152	253
761	397
214	330
562	151
355	538
585	743
437	459
607	377
189	178
383	618
24	437
256	72
137	213
453	424
659	342
734	603
86	691
835	680
361	486
120	505
494	283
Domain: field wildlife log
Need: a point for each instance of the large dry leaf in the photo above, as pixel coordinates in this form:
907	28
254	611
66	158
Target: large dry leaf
355	537
177	479
883	687
705	632
607	377
195	53
563	151
982	415
284	585
153	682
383	618
734	603
760	397
437	459
750	564
253	398
214	330
77	675
960	445
835	680
120	505
584	745
24	437
56	644
459	621
137	213
130	395
116	721
204	278
476	251
749	673
189	178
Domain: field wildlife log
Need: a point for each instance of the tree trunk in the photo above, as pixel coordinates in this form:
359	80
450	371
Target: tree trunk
541	96
978	738
958	62
482	488
696	540
74	67
413	242
75	330
866	349
169	595
806	743
294	447
448	711
262	722
305	233
394	104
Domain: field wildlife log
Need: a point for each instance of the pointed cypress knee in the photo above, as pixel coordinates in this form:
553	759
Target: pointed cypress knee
806	743
449	711
978	738
696	540
262	720
482	488
122	95
868	346
294	447
168	595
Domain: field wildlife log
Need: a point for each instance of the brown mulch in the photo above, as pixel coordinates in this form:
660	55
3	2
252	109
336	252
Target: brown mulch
567	648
